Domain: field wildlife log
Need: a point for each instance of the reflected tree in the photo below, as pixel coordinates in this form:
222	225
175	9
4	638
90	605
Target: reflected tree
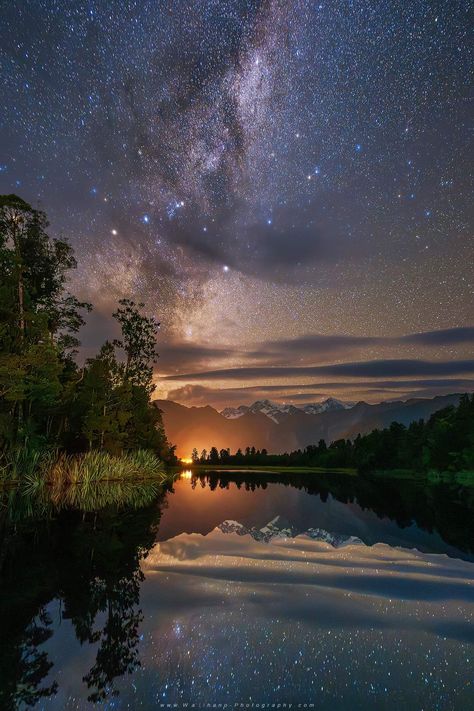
90	560
24	666
118	639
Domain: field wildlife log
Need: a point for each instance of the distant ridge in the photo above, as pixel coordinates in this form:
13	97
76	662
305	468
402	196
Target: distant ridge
289	427
276	411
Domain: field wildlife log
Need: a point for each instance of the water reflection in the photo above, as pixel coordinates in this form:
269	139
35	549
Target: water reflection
186	474
443	511
89	559
133	591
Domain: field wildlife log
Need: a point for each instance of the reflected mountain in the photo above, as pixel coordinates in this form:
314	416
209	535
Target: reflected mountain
444	509
135	591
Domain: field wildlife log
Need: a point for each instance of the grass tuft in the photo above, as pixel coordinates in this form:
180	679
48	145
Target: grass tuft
35	469
94	467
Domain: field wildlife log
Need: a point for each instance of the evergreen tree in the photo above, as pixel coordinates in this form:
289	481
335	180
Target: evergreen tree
138	341
45	399
38	320
214	456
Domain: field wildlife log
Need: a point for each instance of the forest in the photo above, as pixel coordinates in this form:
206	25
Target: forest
50	406
444	443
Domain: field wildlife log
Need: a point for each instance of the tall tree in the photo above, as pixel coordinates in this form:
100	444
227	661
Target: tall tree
38	320
139	343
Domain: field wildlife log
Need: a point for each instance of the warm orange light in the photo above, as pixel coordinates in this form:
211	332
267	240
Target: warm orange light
186	460
186	474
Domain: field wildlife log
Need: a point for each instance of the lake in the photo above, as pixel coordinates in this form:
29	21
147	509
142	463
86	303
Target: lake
240	590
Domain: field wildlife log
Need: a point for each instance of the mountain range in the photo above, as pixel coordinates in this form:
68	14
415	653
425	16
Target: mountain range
283	428
277	412
278	527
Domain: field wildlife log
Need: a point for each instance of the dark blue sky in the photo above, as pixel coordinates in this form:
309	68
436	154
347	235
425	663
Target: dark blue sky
257	172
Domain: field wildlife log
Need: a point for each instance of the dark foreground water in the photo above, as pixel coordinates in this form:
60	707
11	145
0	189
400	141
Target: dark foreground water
246	591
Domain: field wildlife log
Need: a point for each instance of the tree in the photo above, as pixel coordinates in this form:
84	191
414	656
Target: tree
214	456
139	342
224	456
37	266
103	405
45	399
38	320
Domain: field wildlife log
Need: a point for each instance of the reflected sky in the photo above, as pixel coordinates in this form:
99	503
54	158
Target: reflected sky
298	598
295	620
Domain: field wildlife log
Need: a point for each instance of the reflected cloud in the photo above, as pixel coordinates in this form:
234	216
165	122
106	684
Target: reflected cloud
388	588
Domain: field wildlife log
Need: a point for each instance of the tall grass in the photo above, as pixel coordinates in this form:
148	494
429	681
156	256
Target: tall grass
43	502
35	469
95	467
24	463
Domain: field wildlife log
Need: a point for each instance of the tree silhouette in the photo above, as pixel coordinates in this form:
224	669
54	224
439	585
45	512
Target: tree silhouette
91	562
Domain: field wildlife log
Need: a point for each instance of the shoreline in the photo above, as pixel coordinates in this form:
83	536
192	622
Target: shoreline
462	478
266	469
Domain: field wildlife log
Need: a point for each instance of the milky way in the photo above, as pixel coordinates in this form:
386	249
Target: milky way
254	171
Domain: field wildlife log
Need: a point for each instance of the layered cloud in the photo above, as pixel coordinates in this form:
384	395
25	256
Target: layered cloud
316	366
370	369
177	356
375	390
320	344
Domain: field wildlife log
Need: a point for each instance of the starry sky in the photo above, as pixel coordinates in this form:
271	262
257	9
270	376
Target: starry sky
287	185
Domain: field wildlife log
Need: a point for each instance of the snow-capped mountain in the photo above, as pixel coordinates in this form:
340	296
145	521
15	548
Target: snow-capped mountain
273	410
231	413
280	528
328	405
276	411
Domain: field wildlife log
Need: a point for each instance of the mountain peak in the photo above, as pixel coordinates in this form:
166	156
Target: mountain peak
279	411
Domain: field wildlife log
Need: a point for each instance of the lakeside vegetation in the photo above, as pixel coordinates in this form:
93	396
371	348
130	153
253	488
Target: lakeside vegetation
90	468
59	419
443	446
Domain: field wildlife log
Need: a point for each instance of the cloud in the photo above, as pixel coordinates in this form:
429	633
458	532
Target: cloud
321	343
370	390
175	356
444	337
199	395
371	369
460	383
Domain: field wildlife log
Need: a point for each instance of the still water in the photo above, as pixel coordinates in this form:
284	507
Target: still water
241	591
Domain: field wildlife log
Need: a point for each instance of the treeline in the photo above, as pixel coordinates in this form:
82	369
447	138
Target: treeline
445	442
46	400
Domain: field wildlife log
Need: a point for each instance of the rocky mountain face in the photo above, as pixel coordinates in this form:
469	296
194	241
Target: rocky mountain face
287	427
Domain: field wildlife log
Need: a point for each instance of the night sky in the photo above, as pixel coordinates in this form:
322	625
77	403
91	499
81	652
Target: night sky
286	185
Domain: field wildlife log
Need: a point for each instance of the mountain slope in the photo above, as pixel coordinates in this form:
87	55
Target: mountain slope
276	411
204	427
